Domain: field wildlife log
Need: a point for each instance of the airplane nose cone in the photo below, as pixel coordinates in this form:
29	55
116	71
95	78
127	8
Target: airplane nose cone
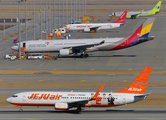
9	100
14	48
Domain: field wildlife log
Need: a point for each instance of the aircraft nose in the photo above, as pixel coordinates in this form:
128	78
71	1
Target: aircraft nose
14	48
9	100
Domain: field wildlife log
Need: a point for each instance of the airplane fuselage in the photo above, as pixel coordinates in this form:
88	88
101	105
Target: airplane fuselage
50	98
56	45
88	26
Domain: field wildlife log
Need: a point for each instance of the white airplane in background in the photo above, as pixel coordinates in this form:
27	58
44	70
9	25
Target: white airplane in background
84	46
97	26
66	100
135	14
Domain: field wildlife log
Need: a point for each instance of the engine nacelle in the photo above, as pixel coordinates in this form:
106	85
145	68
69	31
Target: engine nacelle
61	106
86	30
64	52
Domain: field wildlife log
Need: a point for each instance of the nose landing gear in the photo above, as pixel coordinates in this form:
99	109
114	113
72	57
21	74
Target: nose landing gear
84	55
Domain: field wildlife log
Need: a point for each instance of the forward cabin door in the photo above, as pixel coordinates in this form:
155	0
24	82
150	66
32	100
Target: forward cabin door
23	97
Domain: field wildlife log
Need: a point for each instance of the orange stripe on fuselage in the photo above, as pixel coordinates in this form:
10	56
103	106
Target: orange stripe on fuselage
47	104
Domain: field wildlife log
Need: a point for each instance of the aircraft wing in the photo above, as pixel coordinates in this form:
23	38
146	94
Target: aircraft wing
84	102
84	47
94	28
134	14
78	103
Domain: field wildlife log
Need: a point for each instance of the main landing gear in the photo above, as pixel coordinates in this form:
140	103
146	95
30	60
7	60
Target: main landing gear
20	109
78	109
84	55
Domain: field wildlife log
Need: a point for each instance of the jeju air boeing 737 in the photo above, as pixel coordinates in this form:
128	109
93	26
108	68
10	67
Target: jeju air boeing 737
135	14
97	26
84	46
66	100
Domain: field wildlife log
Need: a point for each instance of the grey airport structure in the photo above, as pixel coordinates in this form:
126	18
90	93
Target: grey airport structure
117	69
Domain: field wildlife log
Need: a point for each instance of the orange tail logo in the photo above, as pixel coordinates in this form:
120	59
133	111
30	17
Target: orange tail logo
140	83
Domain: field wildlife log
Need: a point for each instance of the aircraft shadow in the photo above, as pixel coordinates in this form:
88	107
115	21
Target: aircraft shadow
77	56
86	112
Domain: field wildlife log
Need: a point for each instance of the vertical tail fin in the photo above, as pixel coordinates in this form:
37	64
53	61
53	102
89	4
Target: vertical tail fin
141	33
156	8
140	83
122	18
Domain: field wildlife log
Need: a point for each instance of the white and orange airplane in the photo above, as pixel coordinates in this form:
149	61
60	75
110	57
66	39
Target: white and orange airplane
88	27
66	100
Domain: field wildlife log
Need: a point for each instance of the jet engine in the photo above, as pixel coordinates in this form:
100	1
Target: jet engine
65	52
61	106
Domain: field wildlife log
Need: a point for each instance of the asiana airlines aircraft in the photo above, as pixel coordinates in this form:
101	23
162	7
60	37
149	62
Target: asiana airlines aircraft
84	46
67	100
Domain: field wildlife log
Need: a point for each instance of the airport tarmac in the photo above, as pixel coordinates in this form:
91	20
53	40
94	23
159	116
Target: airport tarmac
131	60
88	113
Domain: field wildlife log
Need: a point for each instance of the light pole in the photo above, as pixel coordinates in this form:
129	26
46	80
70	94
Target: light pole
58	16
79	9
71	10
33	21
19	38
4	29
82	8
49	26
26	20
40	22
46	18
11	27
85	7
54	18
66	12
76	10
62	13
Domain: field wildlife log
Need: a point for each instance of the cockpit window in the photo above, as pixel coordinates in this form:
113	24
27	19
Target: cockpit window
16	45
14	96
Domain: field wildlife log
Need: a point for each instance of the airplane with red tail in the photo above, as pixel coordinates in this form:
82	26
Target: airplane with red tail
89	27
85	46
67	100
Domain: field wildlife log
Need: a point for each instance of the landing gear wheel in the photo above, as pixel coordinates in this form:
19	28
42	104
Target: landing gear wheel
20	109
86	55
78	109
82	55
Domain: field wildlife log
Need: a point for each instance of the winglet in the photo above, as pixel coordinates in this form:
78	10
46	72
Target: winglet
97	93
122	18
141	11
139	84
102	42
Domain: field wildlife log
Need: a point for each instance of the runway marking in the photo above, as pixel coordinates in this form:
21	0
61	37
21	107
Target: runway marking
0	79
83	80
6	50
125	80
92	69
32	119
129	69
56	119
41	80
41	64
148	119
54	69
18	68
